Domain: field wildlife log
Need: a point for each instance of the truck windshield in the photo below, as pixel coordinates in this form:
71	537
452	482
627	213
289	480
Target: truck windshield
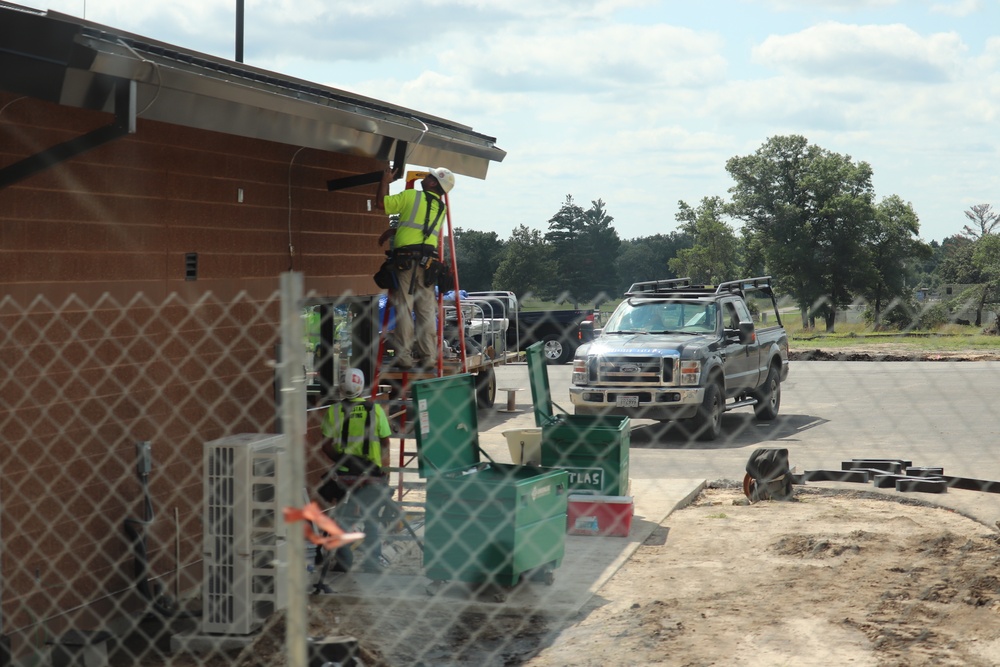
694	317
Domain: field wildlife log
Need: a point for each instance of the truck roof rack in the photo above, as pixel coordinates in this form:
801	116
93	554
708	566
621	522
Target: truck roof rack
655	286
758	283
683	286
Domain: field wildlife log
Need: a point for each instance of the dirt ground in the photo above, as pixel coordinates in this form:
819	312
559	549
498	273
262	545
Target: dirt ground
827	578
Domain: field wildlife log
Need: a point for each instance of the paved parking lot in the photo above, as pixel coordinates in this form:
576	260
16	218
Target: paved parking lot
932	413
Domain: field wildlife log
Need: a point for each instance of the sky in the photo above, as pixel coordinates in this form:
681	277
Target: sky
640	103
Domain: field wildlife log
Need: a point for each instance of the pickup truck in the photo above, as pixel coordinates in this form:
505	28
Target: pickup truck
561	331
674	351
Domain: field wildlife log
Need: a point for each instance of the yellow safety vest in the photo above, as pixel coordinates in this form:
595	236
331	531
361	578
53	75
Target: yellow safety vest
359	435
412	208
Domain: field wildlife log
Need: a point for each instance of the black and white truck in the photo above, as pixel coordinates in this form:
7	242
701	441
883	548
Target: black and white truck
676	351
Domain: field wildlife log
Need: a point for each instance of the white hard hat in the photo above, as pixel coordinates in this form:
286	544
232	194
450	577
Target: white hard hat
354	382
444	177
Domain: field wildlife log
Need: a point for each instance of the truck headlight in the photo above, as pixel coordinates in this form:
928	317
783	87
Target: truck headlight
690	372
580	374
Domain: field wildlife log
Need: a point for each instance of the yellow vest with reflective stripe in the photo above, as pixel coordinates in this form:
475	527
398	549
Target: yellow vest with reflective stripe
411	206
332	427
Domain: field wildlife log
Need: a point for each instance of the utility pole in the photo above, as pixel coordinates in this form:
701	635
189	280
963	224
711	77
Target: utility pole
239	31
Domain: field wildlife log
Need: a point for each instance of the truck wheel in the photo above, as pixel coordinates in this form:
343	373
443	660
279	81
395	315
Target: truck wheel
769	396
708	422
486	387
556	350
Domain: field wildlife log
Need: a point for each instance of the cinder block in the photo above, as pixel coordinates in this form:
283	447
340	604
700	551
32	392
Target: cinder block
924	472
886	466
921	485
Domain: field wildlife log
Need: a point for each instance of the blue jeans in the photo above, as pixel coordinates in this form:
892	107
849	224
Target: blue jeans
365	503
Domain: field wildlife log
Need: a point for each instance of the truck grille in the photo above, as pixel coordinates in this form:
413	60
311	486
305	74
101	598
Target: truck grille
636	371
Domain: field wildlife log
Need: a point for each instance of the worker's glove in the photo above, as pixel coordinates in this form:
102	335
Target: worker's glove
386	235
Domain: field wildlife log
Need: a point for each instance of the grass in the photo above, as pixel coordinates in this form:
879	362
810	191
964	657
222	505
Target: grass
949	338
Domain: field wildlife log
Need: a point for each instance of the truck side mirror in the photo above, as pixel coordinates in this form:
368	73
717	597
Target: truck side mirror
745	334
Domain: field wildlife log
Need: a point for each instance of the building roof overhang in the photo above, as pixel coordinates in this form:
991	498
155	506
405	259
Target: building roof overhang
69	61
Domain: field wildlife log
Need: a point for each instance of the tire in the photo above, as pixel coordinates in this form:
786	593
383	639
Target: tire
556	349
486	387
708	422
769	396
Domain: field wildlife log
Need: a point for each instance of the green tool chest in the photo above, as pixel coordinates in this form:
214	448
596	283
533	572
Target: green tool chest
594	450
485	522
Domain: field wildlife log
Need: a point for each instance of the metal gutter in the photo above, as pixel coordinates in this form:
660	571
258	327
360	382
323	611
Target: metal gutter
73	62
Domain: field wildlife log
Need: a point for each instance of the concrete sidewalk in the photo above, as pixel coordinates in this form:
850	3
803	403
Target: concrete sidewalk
588	563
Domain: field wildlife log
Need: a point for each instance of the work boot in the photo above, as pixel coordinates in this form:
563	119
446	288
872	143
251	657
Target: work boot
400	363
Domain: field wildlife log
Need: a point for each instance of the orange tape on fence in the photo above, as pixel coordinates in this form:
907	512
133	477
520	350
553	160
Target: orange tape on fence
335	536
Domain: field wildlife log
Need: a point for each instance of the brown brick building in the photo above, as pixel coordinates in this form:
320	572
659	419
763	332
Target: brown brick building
150	197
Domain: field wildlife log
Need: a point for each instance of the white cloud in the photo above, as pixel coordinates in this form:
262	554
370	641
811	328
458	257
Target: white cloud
876	52
959	9
830	5
576	60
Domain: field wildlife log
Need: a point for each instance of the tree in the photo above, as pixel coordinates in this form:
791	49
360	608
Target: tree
894	243
956	264
986	257
584	245
959	266
526	265
648	257
984	221
812	211
714	256
478	256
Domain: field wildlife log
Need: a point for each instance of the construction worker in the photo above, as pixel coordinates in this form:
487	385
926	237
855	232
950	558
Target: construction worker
415	241
358	481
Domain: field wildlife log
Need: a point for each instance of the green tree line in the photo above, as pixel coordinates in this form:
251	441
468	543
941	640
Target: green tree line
803	214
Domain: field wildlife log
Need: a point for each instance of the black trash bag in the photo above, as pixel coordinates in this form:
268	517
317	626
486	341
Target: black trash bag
768	475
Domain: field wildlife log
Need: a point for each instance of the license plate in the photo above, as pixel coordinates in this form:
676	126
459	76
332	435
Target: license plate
626	401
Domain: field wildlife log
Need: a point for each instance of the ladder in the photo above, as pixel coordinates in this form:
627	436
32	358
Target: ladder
398	405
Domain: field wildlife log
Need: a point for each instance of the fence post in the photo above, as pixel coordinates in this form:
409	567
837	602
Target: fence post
292	393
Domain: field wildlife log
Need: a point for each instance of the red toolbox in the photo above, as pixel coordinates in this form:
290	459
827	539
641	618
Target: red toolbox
599	515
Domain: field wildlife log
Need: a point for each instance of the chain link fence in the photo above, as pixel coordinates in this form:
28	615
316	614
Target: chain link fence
153	447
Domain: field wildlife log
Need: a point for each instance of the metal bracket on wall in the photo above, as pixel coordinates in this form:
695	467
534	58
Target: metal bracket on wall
124	123
398	162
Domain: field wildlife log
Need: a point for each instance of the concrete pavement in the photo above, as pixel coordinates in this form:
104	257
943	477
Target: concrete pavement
588	563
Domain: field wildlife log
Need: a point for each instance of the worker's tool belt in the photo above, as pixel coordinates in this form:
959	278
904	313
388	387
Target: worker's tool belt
384	277
349	473
438	273
404	258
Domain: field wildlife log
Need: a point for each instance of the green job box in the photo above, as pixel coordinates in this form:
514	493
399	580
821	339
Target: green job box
594	450
486	522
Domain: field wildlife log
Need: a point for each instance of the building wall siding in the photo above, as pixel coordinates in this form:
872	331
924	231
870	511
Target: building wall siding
105	343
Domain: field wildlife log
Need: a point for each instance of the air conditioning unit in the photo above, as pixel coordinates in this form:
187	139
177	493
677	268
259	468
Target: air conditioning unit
245	543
